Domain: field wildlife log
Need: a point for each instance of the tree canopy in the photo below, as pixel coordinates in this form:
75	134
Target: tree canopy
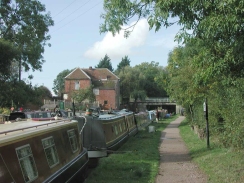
150	71
83	94
124	62
58	83
140	81
215	24
132	82
25	25
8	53
105	63
20	94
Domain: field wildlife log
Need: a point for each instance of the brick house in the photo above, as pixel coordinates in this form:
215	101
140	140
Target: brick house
106	85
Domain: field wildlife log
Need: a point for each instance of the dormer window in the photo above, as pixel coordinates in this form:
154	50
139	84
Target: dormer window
77	85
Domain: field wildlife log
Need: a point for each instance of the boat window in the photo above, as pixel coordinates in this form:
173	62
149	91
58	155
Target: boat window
37	115
32	115
50	151
27	163
40	115
120	128
44	115
124	126
73	140
28	116
116	129
49	115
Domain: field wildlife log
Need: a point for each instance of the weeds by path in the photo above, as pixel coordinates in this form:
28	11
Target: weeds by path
222	165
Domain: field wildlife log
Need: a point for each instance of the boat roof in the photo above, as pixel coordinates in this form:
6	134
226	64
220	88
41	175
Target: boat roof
114	115
12	132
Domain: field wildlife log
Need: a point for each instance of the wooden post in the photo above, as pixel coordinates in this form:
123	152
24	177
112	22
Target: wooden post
205	109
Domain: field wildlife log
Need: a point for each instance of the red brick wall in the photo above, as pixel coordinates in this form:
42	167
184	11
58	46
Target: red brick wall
70	86
108	95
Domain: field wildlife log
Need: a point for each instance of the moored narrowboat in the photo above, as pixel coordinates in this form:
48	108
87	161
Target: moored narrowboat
106	132
35	115
46	151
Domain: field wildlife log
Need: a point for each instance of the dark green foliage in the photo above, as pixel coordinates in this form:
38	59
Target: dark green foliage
21	93
83	94
25	24
124	62
44	92
105	63
7	54
217	23
23	36
58	83
190	85
151	84
142	81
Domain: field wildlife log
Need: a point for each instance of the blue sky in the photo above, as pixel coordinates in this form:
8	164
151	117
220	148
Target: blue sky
76	41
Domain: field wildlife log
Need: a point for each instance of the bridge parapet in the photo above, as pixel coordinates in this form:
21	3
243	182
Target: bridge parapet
159	100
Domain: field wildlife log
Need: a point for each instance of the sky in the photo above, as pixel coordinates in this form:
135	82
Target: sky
76	41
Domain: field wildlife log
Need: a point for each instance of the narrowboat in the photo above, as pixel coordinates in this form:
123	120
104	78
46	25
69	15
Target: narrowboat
143	119
41	151
39	115
106	132
35	115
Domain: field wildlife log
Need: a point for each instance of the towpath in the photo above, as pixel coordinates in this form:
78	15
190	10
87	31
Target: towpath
175	162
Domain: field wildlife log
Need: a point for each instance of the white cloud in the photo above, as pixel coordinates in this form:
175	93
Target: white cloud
117	46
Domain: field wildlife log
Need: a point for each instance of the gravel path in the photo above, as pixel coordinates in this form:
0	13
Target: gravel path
175	162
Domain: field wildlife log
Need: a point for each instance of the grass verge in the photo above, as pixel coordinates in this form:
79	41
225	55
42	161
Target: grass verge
136	161
220	164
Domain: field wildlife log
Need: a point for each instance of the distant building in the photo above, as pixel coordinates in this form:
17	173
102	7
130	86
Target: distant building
106	85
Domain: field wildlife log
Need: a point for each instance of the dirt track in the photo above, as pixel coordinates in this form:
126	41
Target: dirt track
175	162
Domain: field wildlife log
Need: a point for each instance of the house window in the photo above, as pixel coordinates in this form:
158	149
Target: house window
73	140
27	163
77	85
105	102
50	151
96	91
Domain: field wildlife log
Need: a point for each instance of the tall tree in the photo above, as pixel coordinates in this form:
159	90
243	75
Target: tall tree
105	63
45	92
58	83
151	71
132	83
25	24
124	62
217	23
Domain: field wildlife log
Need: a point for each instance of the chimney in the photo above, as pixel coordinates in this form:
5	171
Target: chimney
90	68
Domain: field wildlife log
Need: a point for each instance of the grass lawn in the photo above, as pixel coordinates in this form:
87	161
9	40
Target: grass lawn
136	161
220	164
